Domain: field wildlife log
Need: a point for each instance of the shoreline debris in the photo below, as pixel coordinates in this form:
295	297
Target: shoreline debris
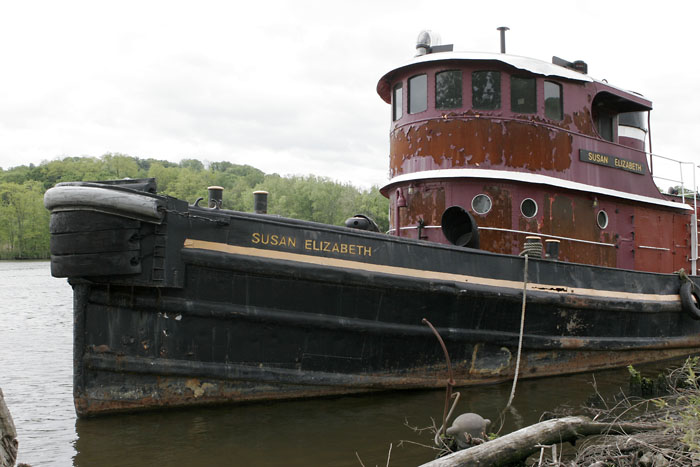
8	436
523	443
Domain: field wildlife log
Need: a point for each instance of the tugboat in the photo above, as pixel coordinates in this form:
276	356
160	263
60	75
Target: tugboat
516	185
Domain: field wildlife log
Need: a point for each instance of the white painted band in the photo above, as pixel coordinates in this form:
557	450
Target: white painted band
530	178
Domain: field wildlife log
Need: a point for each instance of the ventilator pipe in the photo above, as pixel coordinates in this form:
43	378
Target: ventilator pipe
399	203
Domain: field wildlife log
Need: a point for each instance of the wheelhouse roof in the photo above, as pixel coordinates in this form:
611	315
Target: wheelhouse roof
531	65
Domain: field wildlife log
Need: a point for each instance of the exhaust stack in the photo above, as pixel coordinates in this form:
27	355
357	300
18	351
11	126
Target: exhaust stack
503	30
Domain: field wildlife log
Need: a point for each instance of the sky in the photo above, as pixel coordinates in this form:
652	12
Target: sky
290	87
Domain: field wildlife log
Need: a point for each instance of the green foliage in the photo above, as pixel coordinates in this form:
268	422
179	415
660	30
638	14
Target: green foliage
320	199
687	420
24	222
24	231
643	386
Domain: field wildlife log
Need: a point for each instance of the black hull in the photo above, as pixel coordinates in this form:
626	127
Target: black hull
188	306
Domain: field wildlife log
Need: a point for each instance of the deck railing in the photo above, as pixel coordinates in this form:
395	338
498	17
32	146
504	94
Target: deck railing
684	171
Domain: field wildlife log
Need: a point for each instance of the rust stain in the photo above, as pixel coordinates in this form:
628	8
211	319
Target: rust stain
104	348
575	217
183	392
648	234
427	202
479	142
491	363
583	121
198	388
499	216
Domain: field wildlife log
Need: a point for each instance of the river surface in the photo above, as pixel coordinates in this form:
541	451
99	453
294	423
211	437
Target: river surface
36	378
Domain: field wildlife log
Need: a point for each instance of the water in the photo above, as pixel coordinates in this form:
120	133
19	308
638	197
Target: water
36	377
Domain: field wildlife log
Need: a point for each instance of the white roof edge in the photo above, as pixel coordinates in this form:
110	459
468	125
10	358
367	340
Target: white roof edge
531	178
533	65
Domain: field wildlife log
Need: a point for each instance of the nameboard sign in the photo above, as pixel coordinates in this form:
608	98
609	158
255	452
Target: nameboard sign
593	157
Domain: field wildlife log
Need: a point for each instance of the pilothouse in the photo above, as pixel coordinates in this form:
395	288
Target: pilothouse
525	147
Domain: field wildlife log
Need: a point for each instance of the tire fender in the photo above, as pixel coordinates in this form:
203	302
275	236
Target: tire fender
690	299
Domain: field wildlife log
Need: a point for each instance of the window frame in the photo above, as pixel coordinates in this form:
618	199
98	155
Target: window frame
482	195
523	212
561	100
460	88
532	98
411	92
397	110
499	93
605	216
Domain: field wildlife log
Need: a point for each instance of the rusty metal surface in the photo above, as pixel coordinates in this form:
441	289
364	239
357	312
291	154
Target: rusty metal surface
561	213
131	392
479	142
654	245
486	141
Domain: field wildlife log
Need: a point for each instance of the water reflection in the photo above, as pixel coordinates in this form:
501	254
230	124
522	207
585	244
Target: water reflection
317	432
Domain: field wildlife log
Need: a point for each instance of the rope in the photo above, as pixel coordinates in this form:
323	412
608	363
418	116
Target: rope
520	340
437	440
532	248
683	277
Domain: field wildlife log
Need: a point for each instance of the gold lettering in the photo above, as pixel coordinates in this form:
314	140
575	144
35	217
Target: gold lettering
256	238
600	158
320	245
292	242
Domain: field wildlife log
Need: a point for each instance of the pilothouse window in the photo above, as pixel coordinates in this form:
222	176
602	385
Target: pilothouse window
417	94
397	102
448	89
553	104
523	95
604	121
486	90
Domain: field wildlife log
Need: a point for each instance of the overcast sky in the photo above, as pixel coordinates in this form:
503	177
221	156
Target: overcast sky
290	87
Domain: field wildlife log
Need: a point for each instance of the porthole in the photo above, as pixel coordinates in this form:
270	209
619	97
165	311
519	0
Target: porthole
528	207
481	204
602	219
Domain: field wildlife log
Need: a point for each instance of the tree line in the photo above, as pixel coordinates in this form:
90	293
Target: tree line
24	222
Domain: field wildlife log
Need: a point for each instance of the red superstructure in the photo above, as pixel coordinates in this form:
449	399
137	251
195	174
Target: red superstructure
525	147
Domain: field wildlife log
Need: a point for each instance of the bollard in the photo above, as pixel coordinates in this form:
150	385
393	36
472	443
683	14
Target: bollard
551	248
260	202
216	196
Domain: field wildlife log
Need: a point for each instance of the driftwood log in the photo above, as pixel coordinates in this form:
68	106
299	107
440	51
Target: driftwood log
8	436
526	441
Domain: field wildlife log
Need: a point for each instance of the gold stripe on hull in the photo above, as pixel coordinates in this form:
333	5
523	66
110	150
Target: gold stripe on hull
424	274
